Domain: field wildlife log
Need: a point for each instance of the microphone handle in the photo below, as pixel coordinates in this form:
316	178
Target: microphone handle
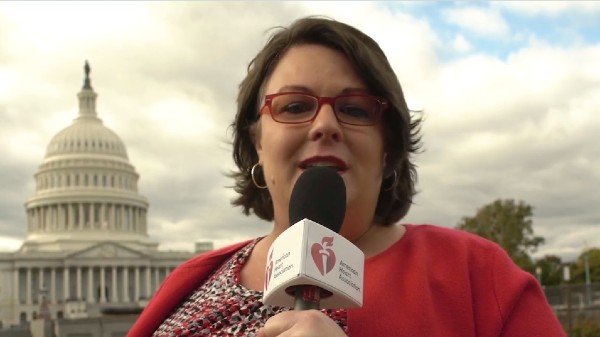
307	297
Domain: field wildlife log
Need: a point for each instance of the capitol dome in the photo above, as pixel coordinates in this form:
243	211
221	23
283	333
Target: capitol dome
86	136
86	188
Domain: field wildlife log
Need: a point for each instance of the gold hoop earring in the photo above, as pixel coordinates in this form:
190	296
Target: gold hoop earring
393	182
254	180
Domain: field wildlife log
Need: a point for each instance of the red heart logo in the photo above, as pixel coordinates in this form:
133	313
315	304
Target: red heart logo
323	256
269	270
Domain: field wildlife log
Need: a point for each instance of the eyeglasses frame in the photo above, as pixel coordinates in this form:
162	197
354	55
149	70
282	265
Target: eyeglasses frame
322	100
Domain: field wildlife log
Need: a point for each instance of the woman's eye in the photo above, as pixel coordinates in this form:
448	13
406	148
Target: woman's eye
354	112
296	108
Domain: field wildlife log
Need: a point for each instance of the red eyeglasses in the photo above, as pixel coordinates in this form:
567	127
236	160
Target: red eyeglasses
301	107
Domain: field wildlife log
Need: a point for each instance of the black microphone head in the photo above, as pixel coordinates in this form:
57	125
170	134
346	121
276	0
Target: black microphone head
319	195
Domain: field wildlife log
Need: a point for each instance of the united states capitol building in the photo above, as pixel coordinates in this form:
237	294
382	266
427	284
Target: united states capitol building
87	246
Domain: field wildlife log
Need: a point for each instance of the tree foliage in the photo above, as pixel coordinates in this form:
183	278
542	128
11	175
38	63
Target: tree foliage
551	268
509	224
593	261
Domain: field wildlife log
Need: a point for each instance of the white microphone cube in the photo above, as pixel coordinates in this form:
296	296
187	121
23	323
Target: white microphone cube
310	254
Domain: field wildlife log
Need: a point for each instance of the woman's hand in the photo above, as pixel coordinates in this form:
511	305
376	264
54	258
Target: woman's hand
309	323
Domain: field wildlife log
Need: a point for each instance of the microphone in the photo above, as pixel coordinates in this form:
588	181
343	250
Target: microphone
310	265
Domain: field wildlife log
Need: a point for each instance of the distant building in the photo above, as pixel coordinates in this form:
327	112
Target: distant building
87	247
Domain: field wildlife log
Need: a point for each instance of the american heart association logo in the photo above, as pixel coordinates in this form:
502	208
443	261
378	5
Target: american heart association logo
323	255
269	270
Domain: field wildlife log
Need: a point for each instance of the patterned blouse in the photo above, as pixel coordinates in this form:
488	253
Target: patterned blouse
221	306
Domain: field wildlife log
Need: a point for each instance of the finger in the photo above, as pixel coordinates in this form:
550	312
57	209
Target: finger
302	322
277	324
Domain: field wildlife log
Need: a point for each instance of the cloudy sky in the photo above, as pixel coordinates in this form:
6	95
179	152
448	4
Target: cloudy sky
510	93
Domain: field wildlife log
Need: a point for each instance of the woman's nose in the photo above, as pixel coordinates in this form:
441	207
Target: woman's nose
325	125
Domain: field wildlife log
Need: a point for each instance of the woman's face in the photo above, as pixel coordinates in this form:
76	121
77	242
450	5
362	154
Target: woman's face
285	150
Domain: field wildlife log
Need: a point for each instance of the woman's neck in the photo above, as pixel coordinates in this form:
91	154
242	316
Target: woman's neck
378	238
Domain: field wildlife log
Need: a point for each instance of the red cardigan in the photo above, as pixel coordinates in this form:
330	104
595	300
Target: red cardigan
433	282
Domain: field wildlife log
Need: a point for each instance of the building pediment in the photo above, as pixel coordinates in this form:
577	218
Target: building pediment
107	250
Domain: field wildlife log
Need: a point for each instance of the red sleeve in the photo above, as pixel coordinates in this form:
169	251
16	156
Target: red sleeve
176	287
521	302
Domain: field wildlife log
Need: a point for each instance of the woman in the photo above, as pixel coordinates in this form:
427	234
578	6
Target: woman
321	93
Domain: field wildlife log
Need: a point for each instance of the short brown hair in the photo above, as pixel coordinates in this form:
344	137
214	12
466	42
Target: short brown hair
401	135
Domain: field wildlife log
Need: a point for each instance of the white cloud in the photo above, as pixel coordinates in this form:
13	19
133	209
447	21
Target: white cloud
460	44
8	244
478	20
551	8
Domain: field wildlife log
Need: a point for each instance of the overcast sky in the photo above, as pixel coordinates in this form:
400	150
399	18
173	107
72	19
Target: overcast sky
510	93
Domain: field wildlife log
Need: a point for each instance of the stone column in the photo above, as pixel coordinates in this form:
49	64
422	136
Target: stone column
142	221
122	217
44	210
81	219
66	290
125	222
53	285
56	211
113	288
103	216
112	216
67	216
71	224
42	218
92	215
61	216
102	286
126	298
16	289
57	217
91	297
47	218
148	282
50	216
136	286
79	295
132	219
41	278
28	285
38	218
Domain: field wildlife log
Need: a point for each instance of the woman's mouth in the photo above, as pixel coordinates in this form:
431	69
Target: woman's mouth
324	161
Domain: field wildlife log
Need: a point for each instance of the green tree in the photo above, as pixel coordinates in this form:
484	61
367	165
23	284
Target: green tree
593	260
509	224
551	267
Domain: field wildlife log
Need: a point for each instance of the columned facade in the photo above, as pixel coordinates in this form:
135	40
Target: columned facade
69	216
87	239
